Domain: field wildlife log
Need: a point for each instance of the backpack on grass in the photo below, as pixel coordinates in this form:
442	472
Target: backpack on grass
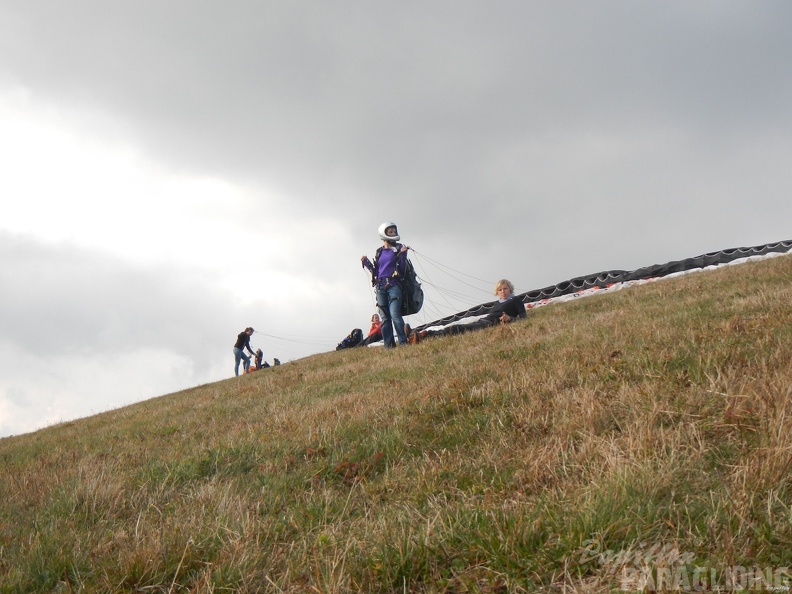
353	339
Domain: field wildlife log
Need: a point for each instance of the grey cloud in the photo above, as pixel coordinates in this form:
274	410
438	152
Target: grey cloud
411	103
73	301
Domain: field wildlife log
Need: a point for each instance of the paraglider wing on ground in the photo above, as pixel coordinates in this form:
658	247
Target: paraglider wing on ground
608	278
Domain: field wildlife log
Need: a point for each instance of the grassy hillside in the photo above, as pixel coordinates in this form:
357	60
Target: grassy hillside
646	430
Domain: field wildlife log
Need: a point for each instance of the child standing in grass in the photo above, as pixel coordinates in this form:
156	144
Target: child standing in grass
390	265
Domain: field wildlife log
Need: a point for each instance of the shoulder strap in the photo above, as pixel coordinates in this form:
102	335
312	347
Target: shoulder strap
375	266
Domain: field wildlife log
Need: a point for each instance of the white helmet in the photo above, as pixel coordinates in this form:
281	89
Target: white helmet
384	227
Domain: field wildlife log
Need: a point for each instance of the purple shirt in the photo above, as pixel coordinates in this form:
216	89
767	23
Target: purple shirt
388	263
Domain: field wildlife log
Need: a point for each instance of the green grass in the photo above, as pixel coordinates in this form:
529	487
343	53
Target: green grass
548	455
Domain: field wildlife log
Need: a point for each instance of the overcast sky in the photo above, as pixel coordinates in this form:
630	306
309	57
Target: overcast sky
172	172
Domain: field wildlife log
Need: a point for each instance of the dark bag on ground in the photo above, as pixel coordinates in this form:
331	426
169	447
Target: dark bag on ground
353	339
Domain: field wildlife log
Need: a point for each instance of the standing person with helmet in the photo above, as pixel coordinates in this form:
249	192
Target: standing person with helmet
387	270
242	343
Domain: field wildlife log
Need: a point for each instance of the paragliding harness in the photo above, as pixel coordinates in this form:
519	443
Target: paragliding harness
412	293
353	339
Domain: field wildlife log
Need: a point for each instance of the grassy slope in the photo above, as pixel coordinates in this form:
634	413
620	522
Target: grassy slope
655	417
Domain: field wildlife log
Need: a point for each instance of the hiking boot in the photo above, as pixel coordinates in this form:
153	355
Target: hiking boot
416	337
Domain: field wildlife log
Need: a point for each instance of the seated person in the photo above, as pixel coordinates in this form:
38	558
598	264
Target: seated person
507	310
375	332
257	362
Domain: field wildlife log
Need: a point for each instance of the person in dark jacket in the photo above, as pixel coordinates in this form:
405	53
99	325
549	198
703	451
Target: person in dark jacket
506	310
389	267
242	343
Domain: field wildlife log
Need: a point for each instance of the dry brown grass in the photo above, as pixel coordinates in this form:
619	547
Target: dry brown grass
548	455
